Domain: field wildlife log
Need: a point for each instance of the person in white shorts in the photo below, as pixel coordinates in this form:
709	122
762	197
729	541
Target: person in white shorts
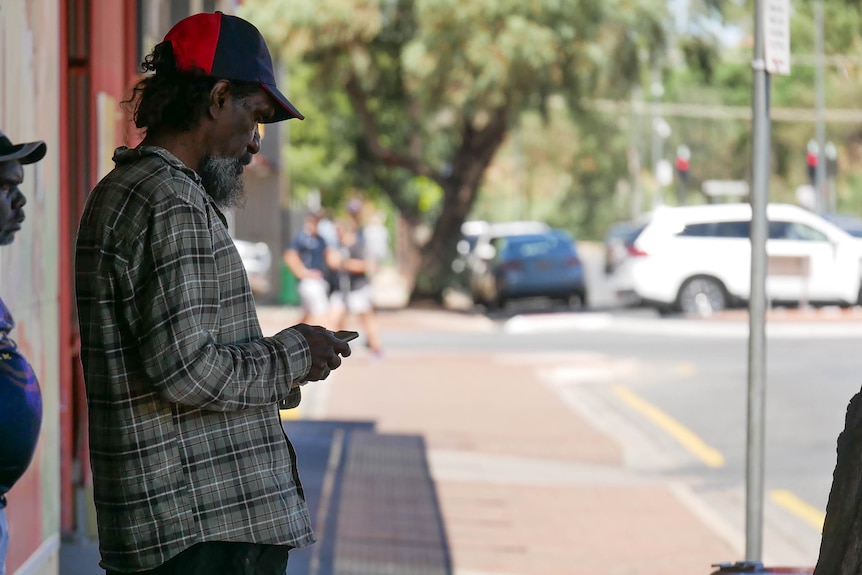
306	259
352	289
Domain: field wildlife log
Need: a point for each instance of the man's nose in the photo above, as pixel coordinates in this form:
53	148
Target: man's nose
254	145
18	198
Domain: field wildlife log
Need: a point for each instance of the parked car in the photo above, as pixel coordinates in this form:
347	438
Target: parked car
697	259
480	253
615	243
850	224
531	265
257	259
470	232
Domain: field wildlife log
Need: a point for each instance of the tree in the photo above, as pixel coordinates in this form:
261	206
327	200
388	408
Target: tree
721	75
434	86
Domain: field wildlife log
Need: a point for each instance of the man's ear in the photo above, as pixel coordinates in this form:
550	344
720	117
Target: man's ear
218	98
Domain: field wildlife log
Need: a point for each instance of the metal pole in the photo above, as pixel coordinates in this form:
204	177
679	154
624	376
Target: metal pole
634	154
823	202
757	302
656	94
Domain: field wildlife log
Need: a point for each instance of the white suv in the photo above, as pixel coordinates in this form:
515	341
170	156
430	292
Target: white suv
697	259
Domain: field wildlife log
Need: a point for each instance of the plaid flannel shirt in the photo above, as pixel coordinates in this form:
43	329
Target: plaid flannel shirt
186	443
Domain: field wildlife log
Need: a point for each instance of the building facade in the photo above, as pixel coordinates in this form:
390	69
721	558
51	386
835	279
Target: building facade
66	66
29	275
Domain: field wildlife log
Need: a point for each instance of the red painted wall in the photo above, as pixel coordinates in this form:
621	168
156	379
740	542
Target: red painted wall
110	63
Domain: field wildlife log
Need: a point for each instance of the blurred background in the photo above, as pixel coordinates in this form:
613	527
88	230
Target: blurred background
561	189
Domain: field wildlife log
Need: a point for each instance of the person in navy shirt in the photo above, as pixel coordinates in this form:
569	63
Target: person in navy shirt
306	259
20	397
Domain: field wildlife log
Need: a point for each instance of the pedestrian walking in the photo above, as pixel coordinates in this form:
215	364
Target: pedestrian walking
305	257
352	294
20	396
192	470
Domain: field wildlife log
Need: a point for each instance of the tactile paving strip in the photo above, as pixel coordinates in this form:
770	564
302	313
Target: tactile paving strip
388	518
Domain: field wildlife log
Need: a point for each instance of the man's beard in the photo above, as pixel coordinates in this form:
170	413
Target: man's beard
222	180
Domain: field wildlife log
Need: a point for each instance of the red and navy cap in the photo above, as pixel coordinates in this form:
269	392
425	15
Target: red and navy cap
230	48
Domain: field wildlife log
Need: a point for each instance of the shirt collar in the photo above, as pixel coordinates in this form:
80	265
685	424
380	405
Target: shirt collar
124	155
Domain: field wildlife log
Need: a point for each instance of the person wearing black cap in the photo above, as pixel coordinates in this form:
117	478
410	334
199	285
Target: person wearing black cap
20	397
192	471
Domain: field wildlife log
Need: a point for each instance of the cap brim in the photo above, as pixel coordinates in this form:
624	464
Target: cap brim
286	111
28	153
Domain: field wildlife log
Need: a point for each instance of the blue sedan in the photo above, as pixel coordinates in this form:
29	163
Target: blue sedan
530	266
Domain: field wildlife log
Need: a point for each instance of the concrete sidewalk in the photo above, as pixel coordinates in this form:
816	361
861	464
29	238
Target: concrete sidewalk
469	464
525	485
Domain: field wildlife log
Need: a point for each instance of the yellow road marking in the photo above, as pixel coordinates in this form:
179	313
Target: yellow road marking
710	456
798	507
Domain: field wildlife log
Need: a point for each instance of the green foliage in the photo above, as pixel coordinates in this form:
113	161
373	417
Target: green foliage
562	168
701	56
426	102
429	68
409	93
315	160
720	148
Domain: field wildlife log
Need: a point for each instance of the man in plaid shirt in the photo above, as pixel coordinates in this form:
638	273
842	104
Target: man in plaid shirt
191	468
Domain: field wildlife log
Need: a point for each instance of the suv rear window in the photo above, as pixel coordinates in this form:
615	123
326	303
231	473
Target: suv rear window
736	229
795	231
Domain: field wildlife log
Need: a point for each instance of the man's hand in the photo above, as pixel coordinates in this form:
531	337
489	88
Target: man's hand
326	350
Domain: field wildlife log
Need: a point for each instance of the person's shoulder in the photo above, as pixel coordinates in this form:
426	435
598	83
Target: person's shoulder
134	194
154	171
300	236
147	178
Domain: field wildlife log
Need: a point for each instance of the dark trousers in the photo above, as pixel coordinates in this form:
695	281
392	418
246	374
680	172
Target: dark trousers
224	558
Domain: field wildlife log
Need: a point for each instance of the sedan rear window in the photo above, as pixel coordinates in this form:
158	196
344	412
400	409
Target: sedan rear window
532	247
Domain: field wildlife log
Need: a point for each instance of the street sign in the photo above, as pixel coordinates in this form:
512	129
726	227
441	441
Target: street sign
776	31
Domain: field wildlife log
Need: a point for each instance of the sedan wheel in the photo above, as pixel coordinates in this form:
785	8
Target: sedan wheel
578	300
702	296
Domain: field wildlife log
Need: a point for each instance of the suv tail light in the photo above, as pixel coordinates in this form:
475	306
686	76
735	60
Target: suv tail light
635	251
572	261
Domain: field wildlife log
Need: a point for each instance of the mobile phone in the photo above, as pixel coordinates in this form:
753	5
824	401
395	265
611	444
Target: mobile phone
344	335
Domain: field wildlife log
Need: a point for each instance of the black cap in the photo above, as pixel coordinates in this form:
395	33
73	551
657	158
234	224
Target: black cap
27	153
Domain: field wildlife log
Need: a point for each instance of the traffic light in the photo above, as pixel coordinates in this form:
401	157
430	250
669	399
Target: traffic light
683	163
811	159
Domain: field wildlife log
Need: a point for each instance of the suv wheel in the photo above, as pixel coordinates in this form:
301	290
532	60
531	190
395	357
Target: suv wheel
701	296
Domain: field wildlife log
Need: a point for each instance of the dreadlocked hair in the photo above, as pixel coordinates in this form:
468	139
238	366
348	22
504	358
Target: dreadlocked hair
170	100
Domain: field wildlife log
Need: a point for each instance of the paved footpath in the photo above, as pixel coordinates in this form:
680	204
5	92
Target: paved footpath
469	463
525	485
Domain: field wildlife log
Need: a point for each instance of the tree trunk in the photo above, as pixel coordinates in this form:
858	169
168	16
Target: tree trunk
841	545
435	257
460	189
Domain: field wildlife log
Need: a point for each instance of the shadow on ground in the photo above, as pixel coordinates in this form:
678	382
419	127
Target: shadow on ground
372	500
